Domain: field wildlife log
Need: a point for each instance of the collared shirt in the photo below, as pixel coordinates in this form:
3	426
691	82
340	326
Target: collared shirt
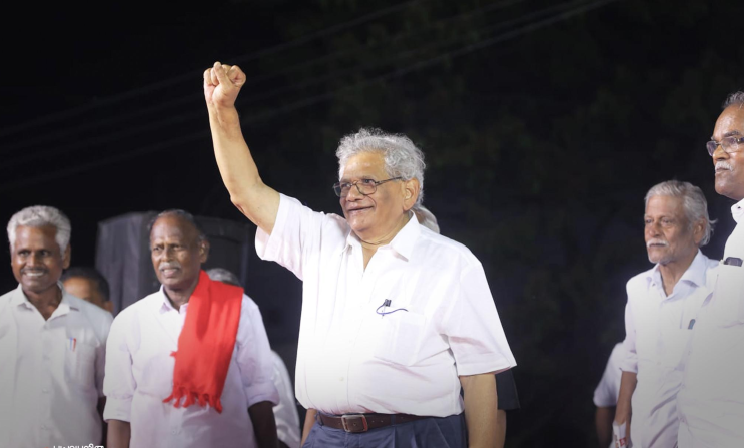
285	413
606	392
711	401
139	375
51	371
441	321
657	329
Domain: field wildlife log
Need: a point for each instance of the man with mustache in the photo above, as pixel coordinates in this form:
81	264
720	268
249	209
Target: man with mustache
712	399
395	318
52	344
188	366
661	313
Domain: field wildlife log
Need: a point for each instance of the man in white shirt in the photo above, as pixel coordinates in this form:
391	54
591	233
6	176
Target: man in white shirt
285	413
52	345
395	318
146	344
605	396
712	398
662	310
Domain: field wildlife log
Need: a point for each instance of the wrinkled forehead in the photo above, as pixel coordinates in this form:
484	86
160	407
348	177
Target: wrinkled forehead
370	162
44	234
730	122
173	226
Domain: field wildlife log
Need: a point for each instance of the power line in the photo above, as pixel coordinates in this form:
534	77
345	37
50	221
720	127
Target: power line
314	99
190	75
69	131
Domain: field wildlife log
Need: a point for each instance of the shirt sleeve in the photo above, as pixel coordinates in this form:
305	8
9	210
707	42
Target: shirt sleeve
473	327
254	356
101	352
629	361
605	395
118	384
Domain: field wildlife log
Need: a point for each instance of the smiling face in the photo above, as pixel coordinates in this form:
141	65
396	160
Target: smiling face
729	168
376	217
36	260
177	253
669	237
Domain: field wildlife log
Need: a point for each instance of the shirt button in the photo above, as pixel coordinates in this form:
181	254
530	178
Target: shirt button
174	431
341	379
45	390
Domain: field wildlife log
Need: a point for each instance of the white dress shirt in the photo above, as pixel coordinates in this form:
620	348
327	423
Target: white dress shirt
606	392
139	375
51	372
657	330
712	398
285	413
352	359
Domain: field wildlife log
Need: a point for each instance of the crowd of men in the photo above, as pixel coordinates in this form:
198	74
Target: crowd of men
400	343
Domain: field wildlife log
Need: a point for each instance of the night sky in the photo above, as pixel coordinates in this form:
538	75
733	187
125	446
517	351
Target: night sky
103	114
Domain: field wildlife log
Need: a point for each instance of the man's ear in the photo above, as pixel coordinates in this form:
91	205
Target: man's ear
411	189
203	250
698	231
66	256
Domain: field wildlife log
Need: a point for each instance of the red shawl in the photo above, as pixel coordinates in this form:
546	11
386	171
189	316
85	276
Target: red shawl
206	344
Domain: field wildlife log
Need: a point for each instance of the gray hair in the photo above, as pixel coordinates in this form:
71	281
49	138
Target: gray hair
736	98
427	217
696	207
224	276
402	157
40	216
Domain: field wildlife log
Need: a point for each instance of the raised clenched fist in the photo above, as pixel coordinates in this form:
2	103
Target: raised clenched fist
222	84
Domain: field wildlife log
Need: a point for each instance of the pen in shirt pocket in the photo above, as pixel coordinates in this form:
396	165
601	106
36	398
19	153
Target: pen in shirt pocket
71	344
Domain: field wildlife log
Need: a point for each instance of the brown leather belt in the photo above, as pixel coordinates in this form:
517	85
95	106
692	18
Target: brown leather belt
365	422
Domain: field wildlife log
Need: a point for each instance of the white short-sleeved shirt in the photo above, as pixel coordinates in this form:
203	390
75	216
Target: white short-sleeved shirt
606	392
139	375
351	358
657	332
711	402
51	371
285	413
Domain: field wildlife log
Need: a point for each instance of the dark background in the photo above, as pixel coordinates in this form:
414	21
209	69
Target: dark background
544	123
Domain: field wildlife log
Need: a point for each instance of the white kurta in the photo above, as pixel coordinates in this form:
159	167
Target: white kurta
658	328
51	372
712	398
353	359
139	375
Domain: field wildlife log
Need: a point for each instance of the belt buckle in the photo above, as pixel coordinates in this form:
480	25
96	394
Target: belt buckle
349	427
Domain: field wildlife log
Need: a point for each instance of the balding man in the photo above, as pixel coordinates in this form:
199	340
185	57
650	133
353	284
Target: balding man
711	401
189	366
395	317
52	344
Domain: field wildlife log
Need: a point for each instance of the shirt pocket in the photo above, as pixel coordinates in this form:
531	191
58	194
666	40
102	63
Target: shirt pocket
401	337
80	365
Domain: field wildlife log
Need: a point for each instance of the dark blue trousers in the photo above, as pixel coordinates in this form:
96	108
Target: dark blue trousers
434	432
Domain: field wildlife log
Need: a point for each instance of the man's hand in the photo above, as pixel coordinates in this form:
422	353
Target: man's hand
222	84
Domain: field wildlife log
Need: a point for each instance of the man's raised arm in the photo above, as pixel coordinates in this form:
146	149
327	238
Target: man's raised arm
250	195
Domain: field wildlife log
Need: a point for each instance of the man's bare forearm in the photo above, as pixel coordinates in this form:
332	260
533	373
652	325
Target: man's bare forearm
119	433
308	424
264	425
624	411
481	408
603	417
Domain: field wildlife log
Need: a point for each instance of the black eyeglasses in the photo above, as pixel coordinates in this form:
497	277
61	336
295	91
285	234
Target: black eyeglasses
729	144
363	186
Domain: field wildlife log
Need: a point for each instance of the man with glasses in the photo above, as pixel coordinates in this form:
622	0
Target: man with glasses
395	318
711	401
